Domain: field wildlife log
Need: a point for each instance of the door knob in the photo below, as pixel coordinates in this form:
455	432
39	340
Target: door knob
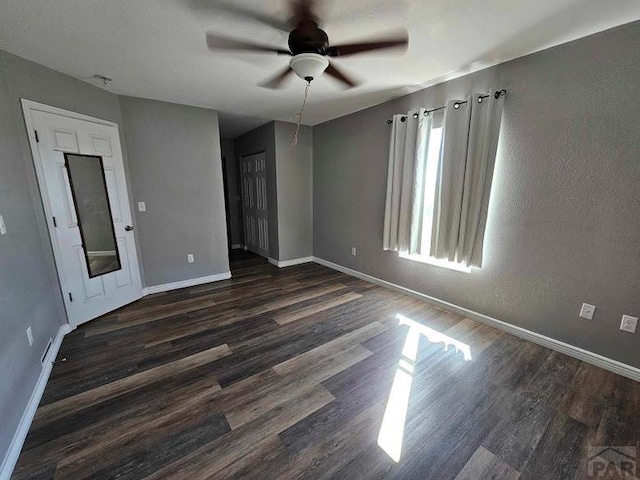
128	228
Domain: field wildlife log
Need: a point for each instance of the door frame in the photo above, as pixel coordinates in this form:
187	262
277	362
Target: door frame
225	188
29	106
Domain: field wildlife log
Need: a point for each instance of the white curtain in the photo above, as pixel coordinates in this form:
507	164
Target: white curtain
425	123
465	174
394	183
450	182
405	179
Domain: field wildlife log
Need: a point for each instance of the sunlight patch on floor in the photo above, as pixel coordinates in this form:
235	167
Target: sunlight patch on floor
435	337
391	435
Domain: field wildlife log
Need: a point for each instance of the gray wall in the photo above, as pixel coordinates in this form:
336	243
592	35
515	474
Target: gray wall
294	174
175	164
564	220
263	139
29	290
233	192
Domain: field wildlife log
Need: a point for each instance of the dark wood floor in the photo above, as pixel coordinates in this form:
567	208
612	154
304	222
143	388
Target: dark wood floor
305	372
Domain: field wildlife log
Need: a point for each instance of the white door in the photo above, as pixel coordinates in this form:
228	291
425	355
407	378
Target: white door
81	176
254	202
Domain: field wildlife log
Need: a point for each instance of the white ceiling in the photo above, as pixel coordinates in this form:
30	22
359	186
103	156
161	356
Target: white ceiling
156	48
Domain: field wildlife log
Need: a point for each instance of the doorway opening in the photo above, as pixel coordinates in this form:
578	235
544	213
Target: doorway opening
246	208
227	201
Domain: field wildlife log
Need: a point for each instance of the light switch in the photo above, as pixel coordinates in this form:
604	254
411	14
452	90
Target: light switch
587	311
3	227
190	258
142	207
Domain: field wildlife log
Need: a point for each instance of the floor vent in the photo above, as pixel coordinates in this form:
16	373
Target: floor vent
46	351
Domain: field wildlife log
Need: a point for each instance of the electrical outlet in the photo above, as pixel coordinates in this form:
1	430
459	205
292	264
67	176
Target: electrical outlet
354	251
587	311
142	207
3	227
190	258
29	336
629	324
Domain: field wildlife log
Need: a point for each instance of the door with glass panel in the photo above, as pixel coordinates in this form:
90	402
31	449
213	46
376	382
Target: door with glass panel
254	203
83	187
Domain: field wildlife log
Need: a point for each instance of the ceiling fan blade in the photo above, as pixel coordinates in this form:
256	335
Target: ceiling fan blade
238	11
217	42
276	81
340	75
374	44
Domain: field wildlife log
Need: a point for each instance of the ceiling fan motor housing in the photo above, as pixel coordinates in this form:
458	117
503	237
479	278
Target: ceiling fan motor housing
308	38
308	65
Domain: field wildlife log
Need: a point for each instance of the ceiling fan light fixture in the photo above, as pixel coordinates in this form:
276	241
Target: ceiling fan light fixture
308	65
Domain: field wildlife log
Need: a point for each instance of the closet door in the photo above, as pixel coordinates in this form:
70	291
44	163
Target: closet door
254	203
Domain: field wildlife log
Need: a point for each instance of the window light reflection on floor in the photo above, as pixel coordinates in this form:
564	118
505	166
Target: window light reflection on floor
391	432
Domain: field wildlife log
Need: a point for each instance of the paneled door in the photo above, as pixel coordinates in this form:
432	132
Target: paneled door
254	203
82	183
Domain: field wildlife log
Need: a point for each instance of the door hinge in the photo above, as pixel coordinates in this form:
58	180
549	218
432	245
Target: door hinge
55	224
37	137
70	297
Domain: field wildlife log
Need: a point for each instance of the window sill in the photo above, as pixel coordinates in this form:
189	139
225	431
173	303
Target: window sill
437	263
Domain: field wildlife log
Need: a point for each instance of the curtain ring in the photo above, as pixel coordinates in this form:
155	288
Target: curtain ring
456	106
479	99
403	119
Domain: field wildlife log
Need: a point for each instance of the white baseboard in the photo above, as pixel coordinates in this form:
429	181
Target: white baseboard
237	246
11	458
185	283
570	350
290	263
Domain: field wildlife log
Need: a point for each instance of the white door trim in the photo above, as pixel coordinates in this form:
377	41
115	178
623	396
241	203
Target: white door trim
28	107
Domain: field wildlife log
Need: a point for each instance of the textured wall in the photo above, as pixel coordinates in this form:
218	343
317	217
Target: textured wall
29	289
564	220
294	164
175	164
262	139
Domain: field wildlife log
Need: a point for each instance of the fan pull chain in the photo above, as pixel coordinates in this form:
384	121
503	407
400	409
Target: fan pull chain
298	116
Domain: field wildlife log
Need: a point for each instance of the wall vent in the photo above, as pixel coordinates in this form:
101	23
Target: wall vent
46	351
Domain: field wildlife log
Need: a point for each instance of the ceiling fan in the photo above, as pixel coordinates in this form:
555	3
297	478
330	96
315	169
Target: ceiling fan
309	45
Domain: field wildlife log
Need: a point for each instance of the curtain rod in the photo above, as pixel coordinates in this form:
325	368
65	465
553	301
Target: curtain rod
456	105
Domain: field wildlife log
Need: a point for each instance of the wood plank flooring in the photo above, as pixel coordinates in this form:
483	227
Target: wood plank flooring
294	373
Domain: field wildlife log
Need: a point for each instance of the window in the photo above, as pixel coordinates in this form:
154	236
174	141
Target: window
433	153
439	179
